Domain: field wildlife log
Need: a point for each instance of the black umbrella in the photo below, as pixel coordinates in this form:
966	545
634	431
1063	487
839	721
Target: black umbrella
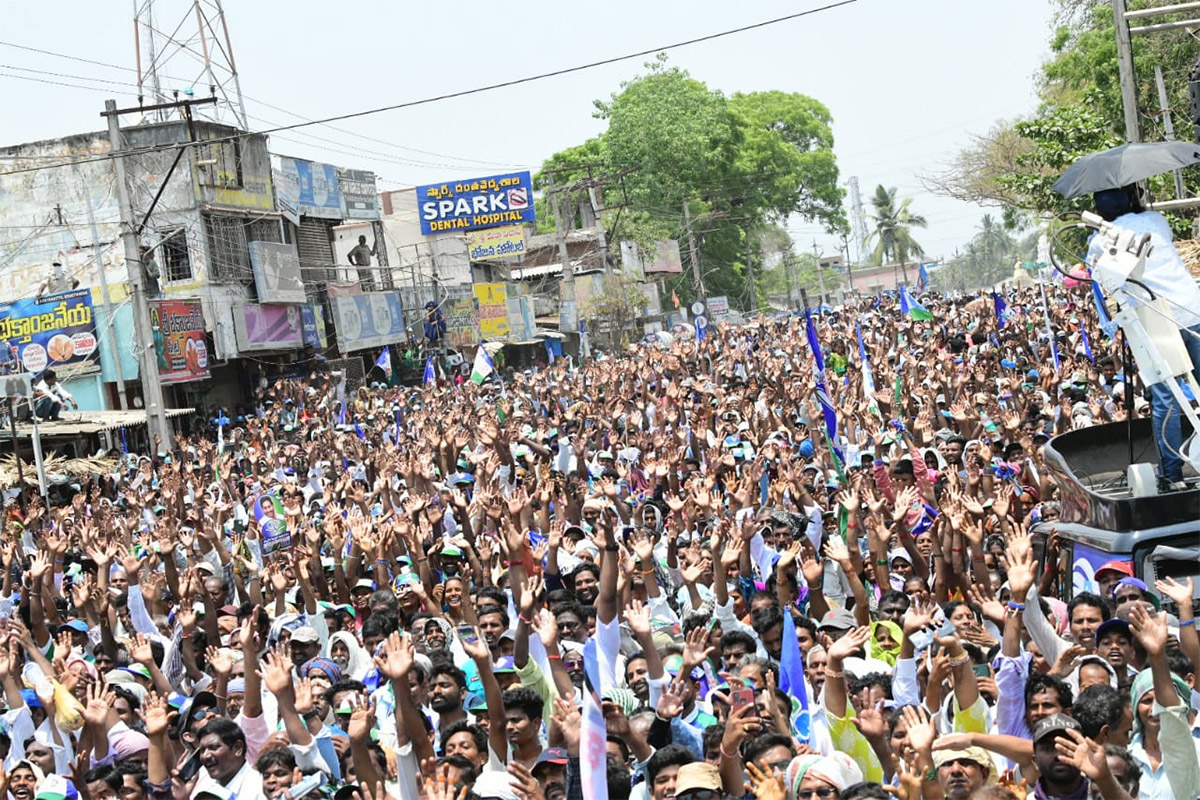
1121	166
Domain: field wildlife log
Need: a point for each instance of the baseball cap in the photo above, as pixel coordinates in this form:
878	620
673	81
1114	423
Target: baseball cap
698	775
504	664
56	787
976	754
1123	567
76	625
838	619
364	583
305	634
552	755
138	670
1055	723
1115	624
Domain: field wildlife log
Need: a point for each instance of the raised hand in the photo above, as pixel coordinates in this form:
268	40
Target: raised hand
156	715
919	616
638	617
1085	755
397	658
695	649
1021	569
765	785
276	673
1150	629
1181	594
99	701
851	643
921	732
362	720
219	660
670	704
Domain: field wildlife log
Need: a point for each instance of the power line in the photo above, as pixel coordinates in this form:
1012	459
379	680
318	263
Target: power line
476	90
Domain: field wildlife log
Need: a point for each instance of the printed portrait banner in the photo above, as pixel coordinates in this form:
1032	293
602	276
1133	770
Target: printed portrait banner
179	341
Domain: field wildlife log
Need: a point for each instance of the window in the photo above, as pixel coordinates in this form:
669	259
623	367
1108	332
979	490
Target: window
228	257
219	164
174	255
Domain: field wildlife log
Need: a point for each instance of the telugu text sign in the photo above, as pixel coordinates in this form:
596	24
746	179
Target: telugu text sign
56	331
179	341
493	311
474	204
359	198
462	321
491	243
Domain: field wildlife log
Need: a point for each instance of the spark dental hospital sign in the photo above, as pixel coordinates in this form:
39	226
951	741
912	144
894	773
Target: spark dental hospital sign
474	204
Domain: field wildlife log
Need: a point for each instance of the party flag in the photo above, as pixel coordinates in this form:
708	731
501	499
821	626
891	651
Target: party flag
593	734
482	367
384	362
1087	346
868	376
912	308
1001	308
922	277
791	676
396	438
1106	323
814	345
430	374
359	431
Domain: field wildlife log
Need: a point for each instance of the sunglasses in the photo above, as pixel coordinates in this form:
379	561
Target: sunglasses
825	793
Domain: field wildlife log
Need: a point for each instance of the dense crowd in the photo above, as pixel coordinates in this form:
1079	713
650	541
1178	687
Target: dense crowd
777	570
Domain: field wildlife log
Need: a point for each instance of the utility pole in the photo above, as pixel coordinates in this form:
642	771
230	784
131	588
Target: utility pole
156	415
1125	72
598	213
1168	124
111	333
567	286
693	256
750	276
820	273
849	272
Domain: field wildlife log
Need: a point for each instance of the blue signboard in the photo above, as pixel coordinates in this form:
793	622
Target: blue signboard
368	320
309	188
474	204
58	330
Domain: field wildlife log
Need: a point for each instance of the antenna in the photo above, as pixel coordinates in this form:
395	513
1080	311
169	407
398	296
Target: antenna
194	58
860	219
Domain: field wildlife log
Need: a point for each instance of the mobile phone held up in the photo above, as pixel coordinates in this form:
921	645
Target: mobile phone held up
740	698
468	634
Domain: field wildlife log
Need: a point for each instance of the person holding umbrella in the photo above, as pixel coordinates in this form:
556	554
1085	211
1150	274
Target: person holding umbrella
1166	276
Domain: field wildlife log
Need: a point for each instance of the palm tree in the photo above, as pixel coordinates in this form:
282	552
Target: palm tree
995	246
893	223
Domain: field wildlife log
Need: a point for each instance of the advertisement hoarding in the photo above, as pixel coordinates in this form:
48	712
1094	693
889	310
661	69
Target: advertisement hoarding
492	299
462	321
179	341
718	308
490	243
371	319
474	204
666	259
359	198
276	270
57	331
267	327
308	188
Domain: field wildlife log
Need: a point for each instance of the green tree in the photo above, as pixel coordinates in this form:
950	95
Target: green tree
892	237
739	163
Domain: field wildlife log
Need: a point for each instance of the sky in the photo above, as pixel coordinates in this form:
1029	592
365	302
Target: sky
907	83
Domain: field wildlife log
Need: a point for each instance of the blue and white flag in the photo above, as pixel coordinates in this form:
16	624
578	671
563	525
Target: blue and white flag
922	277
1087	346
430	374
1106	324
827	408
868	376
384	362
791	677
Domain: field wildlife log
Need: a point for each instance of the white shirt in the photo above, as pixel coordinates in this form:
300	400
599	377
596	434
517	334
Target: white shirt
1165	273
43	389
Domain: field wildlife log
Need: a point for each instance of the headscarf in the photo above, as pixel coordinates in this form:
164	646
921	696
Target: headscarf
1073	678
1143	683
838	769
88	666
360	661
331	670
879	652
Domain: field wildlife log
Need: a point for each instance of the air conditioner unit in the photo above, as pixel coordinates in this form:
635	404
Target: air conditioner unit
16	385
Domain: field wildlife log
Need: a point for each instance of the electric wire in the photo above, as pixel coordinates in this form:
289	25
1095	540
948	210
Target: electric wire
472	91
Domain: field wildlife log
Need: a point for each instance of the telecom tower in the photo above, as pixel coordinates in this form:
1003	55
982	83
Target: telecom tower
196	57
859	219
